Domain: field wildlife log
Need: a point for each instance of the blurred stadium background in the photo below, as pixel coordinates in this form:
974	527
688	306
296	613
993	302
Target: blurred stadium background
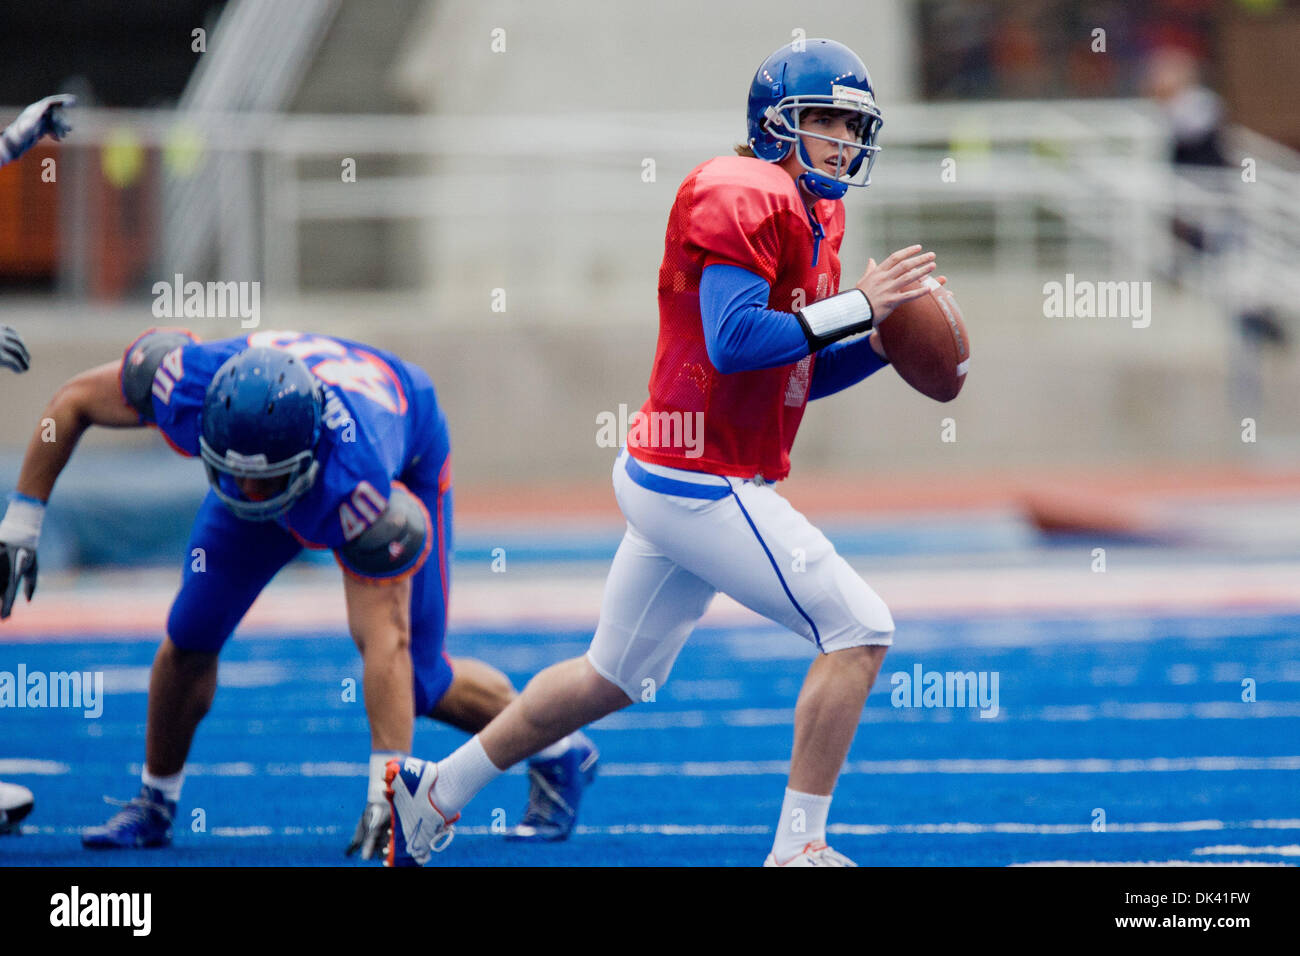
514	165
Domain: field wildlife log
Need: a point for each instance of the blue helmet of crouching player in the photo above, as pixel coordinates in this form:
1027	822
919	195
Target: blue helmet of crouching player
262	420
813	74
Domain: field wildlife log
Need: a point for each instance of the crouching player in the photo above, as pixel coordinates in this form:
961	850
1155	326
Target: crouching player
307	440
43	118
751	240
15	801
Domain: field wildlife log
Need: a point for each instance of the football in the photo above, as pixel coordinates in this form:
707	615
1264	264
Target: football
926	342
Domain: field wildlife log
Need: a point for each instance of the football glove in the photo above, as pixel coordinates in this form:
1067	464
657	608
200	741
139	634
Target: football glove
20	530
17	564
13	354
41	118
371	837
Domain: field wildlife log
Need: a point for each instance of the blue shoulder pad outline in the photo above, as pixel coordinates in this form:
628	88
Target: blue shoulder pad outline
140	365
395	544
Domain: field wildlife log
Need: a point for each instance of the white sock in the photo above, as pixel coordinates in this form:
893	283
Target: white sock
378	760
170	786
555	750
803	821
462	775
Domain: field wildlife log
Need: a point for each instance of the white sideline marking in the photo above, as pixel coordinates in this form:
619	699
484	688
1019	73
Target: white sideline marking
33	768
1146	863
232	769
747	768
225	832
743	768
1238	849
758	768
1056	829
852	829
336	768
135	680
648	719
648	829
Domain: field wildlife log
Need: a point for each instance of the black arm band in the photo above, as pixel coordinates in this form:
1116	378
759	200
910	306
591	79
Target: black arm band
834	318
141	364
394	543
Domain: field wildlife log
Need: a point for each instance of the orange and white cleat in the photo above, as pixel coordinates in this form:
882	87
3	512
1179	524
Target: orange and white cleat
813	854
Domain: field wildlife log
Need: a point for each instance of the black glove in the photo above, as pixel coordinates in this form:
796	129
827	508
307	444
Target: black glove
43	118
371	837
17	561
13	354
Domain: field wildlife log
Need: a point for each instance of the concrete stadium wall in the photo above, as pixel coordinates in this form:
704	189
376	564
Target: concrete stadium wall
585	223
523	390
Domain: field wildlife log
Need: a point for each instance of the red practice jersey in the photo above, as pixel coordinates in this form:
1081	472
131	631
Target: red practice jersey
748	213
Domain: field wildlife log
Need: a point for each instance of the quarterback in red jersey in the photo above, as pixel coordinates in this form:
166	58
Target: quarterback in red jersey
747	214
750	329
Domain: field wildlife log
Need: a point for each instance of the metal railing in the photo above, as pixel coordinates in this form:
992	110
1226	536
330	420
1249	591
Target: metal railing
260	51
1029	184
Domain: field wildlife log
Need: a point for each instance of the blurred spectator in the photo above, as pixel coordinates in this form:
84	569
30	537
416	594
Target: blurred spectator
1195	113
1196	117
979	49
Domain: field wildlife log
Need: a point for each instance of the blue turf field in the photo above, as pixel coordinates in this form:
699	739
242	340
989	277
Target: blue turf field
1086	721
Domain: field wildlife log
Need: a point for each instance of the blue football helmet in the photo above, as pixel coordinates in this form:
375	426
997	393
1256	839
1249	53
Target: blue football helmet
262	419
823	74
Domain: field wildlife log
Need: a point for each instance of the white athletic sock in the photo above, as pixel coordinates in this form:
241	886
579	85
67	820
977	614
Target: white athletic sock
462	775
803	821
378	761
170	786
556	749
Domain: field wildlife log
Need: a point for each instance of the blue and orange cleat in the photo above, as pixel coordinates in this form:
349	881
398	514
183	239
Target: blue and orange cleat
145	821
555	789
418	828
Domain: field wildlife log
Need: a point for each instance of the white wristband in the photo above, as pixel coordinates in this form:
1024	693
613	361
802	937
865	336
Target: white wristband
22	521
836	317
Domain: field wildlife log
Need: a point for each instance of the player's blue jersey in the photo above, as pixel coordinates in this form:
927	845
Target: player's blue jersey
381	414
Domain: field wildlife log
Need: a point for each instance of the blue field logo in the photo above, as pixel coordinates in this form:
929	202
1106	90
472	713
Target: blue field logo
922	688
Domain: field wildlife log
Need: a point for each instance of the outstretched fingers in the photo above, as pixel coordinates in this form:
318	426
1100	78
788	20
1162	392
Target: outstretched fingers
897	257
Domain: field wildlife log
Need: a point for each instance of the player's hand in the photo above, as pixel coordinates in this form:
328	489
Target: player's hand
13	354
44	117
371	836
17	564
896	280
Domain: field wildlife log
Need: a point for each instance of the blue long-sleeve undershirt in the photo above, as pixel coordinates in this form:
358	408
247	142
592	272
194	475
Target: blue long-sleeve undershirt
742	334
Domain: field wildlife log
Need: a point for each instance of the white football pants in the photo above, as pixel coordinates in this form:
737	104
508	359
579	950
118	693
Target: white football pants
692	534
